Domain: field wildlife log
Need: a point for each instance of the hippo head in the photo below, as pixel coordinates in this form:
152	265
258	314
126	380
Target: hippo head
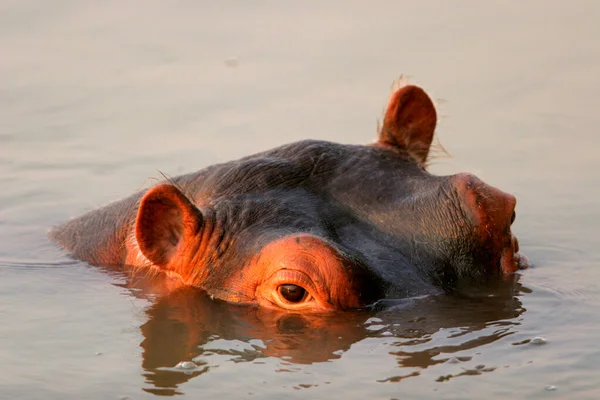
315	225
319	226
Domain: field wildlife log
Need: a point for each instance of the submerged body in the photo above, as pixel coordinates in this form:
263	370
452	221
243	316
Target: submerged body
314	225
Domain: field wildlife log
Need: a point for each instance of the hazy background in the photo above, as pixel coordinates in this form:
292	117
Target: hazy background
97	97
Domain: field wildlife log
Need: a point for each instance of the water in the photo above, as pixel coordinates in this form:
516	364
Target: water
98	98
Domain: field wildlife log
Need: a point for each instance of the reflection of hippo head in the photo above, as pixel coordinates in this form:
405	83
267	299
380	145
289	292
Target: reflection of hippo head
314	225
186	325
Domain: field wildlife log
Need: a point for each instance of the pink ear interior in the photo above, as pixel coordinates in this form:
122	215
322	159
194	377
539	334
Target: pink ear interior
165	218
409	122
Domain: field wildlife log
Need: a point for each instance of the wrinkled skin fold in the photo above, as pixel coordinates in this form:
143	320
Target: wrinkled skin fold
314	226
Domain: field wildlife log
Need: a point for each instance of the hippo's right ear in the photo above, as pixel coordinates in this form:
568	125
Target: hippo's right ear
166	221
409	123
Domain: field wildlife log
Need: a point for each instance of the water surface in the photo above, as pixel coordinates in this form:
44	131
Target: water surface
98	98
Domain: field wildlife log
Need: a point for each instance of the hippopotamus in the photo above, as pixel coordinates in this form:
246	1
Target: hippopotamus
314	226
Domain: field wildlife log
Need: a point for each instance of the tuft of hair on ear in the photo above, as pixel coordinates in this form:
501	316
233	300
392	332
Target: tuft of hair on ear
169	179
398	83
436	150
153	180
172	182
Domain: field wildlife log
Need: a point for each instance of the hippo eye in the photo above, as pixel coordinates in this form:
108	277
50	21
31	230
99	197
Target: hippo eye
292	293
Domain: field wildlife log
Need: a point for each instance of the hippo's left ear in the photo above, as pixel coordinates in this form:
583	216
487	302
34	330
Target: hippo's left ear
409	122
166	224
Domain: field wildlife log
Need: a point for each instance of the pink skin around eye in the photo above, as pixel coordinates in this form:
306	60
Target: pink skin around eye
301	260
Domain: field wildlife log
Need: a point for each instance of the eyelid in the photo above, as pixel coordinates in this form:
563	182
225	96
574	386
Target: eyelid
293	277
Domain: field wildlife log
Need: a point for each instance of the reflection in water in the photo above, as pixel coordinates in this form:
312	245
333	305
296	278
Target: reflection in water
187	333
